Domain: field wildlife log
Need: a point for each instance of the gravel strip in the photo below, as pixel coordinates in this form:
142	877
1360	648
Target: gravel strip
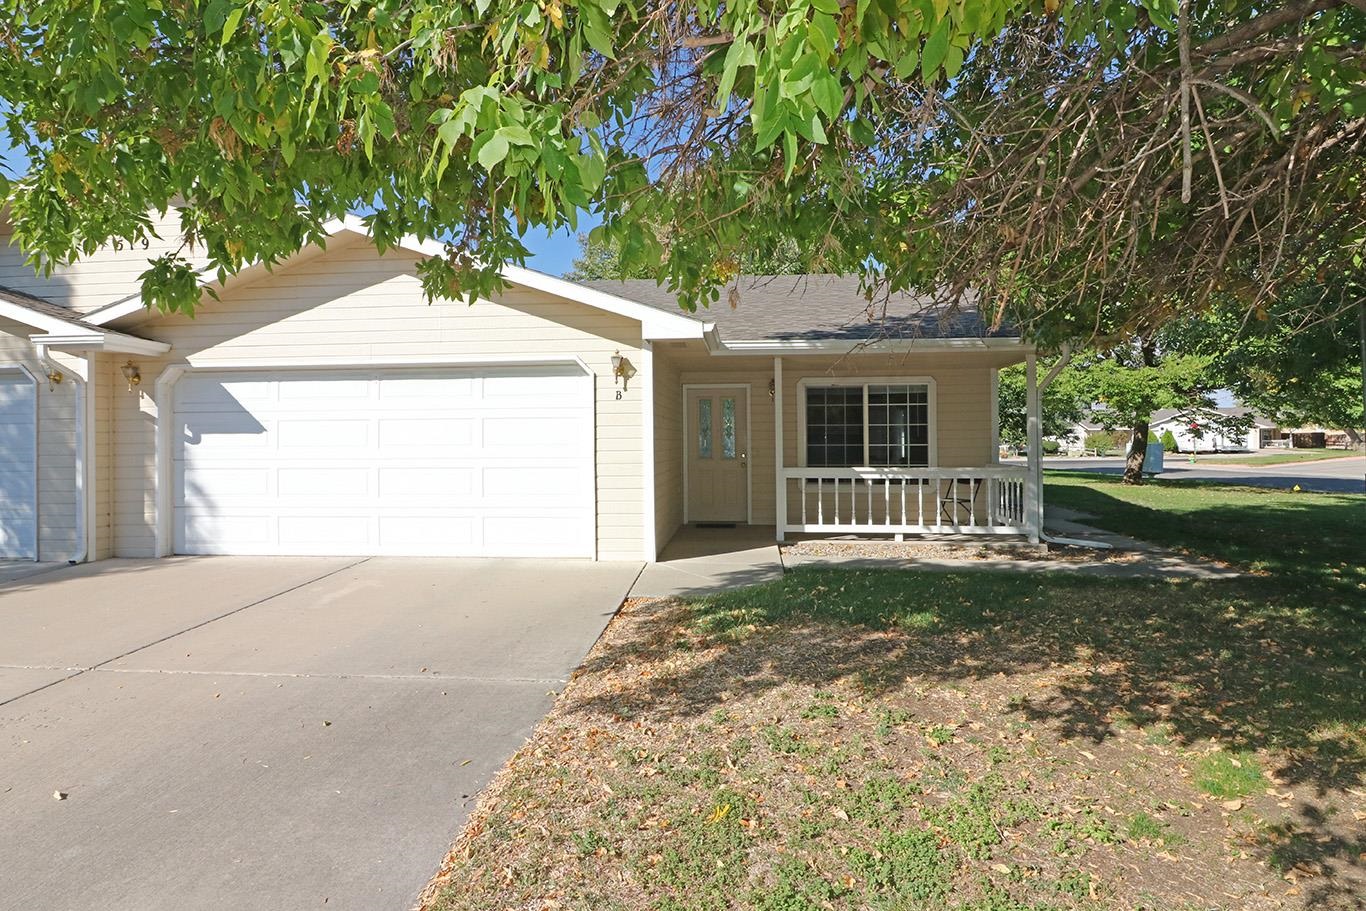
922	550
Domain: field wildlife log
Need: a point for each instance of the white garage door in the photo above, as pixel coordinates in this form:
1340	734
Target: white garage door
18	489
488	462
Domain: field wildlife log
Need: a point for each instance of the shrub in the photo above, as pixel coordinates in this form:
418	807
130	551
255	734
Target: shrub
1168	441
1050	447
1104	442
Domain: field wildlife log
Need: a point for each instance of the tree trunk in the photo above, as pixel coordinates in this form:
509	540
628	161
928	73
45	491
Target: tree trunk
1138	452
1361	327
1138	443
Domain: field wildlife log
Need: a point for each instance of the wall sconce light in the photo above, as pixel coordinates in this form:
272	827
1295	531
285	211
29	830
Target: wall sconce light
54	379
622	369
770	389
131	374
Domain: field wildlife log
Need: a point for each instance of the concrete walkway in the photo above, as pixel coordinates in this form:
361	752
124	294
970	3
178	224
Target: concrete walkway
699	561
264	734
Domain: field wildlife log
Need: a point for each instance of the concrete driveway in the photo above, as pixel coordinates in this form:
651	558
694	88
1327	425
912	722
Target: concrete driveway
281	733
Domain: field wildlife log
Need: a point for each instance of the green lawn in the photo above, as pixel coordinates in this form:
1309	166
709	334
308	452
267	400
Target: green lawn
1294	455
851	739
1296	538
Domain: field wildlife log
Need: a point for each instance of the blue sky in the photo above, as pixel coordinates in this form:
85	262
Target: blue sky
554	253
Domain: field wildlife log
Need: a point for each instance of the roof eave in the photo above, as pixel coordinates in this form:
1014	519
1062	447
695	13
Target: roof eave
116	342
845	346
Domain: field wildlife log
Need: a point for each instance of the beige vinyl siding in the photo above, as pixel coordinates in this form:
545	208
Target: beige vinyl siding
107	275
58	499
668	431
352	306
105	374
963	425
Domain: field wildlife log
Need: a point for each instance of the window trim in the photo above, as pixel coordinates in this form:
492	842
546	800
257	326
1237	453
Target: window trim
931	393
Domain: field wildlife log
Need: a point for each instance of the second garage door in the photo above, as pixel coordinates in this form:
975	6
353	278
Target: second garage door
488	462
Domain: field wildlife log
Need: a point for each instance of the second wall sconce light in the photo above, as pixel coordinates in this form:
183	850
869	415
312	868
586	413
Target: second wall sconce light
131	374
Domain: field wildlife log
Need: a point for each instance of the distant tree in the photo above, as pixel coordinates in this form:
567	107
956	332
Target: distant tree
1292	363
1134	380
600	258
1168	441
1062	405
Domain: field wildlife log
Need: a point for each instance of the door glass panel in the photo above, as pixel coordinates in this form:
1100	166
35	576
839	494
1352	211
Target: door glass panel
704	428
727	428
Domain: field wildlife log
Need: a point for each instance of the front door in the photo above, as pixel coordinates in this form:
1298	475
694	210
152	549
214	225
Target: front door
718	455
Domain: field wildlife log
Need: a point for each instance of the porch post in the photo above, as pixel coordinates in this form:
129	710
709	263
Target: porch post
1034	435
780	485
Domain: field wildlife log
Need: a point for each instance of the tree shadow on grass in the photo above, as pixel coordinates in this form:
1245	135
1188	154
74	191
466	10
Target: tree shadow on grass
1304	540
1209	662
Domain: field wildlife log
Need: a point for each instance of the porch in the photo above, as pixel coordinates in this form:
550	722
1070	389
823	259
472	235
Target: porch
889	443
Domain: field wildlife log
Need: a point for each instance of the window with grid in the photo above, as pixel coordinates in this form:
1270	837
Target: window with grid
876	425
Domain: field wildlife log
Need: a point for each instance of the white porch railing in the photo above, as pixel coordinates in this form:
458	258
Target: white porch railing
985	501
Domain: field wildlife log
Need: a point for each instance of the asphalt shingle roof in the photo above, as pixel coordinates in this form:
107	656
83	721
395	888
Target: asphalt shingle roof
816	307
46	307
1166	414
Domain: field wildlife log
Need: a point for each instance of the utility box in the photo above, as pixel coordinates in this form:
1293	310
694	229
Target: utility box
1152	460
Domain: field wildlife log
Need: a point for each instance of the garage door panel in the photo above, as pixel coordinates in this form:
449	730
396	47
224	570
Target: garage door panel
519	434
420	534
351	533
446	481
328	389
412	462
18	475
424	388
309	434
194	485
223	395
426	433
310	482
200	532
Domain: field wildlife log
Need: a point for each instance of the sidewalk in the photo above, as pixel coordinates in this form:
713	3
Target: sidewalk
702	560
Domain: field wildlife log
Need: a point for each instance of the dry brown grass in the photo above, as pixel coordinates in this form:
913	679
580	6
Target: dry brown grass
1031	744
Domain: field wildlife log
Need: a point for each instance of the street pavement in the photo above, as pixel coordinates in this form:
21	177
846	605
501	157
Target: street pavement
1326	476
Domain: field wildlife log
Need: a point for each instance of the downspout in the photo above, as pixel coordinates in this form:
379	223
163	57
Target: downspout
1047	380
83	418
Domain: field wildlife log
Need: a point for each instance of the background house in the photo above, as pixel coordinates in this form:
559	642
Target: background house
1210	437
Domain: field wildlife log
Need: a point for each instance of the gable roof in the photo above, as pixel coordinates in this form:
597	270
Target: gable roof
1164	415
655	323
60	327
38	306
819	307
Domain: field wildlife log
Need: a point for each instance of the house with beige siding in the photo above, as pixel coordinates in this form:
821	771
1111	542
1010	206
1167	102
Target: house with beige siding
325	406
